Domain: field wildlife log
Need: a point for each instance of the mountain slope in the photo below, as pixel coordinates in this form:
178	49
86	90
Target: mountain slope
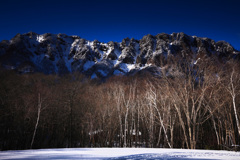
60	53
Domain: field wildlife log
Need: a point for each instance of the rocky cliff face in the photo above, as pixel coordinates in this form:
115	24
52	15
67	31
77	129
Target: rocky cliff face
51	53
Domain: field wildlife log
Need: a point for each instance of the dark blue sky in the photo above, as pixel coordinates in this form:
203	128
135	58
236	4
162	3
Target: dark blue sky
108	20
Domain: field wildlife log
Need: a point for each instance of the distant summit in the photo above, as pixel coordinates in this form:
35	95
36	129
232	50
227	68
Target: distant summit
60	54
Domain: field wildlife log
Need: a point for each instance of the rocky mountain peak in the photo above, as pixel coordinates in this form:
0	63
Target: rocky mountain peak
60	53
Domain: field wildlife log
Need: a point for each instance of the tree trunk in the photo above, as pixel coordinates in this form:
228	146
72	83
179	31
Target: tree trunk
125	129
233	94
182	125
38	117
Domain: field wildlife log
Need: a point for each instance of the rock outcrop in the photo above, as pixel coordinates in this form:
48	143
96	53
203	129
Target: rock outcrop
60	53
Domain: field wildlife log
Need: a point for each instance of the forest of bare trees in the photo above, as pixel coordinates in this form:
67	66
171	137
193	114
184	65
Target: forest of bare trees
197	108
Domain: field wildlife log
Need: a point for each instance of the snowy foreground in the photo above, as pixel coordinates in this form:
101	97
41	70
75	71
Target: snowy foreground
120	153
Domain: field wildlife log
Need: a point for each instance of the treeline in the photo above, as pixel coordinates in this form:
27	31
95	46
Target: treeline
195	108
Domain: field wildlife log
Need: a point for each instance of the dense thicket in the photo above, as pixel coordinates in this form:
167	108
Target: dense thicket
196	108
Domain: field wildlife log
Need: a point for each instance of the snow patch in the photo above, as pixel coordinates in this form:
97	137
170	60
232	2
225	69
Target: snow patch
68	64
116	62
145	66
90	44
109	51
88	65
126	67
119	153
93	76
130	66
117	72
117	52
40	38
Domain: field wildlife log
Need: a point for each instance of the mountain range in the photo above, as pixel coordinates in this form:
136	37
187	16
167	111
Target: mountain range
60	54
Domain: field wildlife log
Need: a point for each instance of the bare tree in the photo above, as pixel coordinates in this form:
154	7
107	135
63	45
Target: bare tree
188	94
233	88
151	96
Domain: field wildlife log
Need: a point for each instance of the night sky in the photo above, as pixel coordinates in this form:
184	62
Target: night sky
112	20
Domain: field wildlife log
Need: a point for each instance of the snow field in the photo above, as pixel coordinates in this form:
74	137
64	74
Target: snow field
119	153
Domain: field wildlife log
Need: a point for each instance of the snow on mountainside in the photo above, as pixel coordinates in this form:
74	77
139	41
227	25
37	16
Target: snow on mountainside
60	53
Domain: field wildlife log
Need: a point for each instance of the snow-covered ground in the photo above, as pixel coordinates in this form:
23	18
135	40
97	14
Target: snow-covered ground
120	153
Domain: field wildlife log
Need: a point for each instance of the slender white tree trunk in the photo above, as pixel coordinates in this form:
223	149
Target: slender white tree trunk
38	117
236	116
215	128
125	129
153	100
118	95
233	93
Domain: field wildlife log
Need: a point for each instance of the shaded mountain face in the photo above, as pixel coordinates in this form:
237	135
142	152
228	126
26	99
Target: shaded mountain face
60	54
